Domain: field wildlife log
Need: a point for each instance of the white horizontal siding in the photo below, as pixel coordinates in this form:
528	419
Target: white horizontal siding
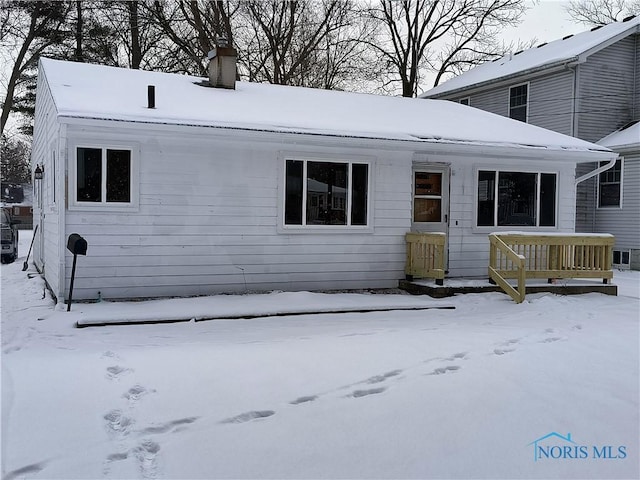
208	222
45	213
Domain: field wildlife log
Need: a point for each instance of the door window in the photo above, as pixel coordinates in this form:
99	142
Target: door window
427	197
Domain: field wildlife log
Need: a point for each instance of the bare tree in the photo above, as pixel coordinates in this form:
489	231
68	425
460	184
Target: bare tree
414	32
305	43
28	30
189	29
601	12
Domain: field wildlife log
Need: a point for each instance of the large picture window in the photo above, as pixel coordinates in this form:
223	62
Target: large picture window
103	175
610	186
518	100
516	199
326	193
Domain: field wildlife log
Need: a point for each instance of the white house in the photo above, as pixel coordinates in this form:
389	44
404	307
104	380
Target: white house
271	187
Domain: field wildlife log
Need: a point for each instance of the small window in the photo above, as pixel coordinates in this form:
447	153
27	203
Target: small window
518	101
427	197
465	101
621	257
103	175
326	193
516	199
610	186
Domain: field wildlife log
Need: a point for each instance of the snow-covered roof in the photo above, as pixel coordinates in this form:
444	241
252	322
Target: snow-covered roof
627	137
83	90
573	48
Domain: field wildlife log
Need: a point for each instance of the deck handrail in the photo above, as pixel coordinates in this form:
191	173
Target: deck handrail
425	256
509	258
550	256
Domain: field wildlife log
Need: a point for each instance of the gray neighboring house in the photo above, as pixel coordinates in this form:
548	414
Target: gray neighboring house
585	85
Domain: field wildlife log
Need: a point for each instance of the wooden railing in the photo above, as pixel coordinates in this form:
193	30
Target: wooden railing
425	256
551	256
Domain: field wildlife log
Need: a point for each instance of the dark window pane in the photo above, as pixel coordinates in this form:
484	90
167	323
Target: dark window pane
517	199
293	194
464	101
359	192
547	200
518	97
327	182
428	183
486	200
610	195
609	188
118	176
616	257
427	210
89	175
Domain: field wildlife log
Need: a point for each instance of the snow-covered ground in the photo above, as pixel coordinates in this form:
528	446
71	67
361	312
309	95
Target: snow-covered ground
468	392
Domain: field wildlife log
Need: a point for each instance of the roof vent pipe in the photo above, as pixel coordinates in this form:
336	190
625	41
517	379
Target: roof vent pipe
222	65
151	96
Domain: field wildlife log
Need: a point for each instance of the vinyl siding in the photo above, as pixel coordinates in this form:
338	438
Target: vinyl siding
636	103
624	222
549	101
209	222
45	141
606	90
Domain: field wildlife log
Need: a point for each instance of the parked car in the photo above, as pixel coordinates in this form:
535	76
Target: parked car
9	237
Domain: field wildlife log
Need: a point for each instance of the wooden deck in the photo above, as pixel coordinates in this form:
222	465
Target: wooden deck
518	262
457	286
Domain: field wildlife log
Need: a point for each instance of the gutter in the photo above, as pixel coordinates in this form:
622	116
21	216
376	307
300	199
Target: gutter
597	171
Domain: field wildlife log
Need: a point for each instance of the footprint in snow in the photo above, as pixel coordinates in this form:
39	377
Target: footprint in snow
305	399
117	423
21	472
146	453
135	393
365	393
457	356
116	371
550	340
443	370
248	416
502	351
383	377
174	425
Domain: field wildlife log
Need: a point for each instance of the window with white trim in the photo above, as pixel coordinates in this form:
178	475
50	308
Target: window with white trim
516	199
518	102
465	101
103	176
326	193
610	186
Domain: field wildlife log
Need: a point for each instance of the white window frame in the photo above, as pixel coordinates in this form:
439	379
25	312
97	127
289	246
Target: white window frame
611	207
132	205
468	99
528	84
304	228
506	169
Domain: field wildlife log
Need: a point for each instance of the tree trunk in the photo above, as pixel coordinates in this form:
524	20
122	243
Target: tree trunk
79	33
136	52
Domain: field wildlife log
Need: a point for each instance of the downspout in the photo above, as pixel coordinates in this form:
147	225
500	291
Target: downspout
597	171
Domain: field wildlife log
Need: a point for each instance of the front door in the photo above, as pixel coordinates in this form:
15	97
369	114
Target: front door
431	200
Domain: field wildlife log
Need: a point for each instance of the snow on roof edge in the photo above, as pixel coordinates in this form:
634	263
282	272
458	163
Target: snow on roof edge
364	136
559	51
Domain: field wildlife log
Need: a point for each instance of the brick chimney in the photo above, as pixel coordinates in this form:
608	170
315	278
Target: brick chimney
222	65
